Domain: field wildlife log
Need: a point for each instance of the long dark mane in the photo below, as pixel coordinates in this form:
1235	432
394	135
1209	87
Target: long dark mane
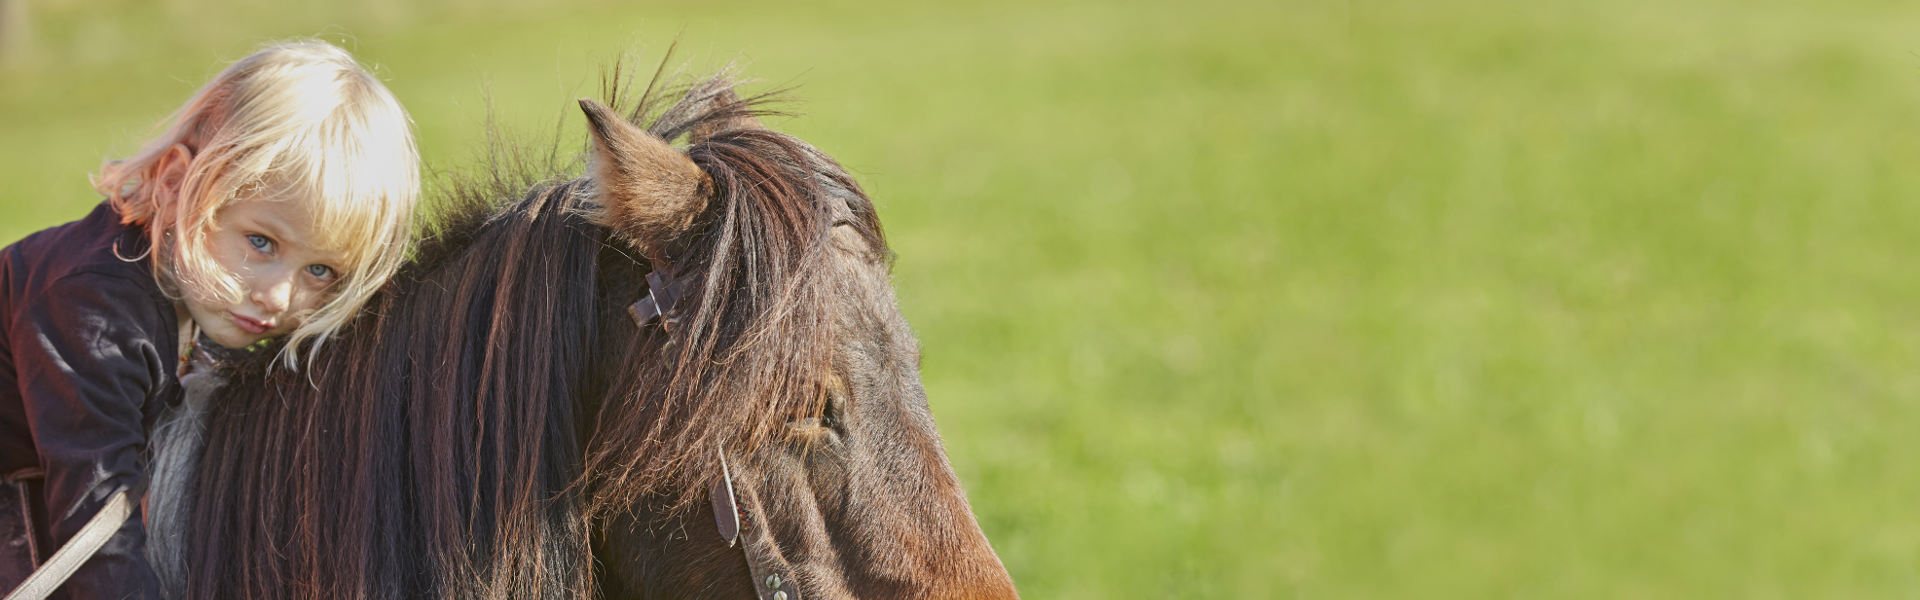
426	454
456	439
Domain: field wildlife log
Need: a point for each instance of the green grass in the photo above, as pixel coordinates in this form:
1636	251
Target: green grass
1259	299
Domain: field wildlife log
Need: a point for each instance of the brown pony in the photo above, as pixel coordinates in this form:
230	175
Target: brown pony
507	421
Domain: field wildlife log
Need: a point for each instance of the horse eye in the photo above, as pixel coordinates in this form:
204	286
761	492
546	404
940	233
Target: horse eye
830	414
829	417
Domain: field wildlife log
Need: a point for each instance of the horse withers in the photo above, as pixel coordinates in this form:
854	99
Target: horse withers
683	375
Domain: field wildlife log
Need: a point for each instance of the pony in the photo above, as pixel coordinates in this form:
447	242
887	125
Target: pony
682	374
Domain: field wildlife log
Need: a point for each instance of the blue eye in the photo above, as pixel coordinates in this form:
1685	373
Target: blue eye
320	271
260	242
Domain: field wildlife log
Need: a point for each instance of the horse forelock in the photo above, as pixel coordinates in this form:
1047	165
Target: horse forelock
754	340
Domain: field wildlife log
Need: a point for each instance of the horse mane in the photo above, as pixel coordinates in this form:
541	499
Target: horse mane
427	452
754	339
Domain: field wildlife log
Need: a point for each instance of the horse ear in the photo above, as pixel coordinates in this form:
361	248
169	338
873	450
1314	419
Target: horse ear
734	115
649	192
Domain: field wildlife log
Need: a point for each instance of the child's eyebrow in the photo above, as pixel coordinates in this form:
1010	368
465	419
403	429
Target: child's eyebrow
276	228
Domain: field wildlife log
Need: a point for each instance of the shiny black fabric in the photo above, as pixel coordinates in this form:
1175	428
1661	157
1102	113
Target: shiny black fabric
87	362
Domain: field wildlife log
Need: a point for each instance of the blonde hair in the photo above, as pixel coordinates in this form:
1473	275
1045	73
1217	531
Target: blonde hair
300	116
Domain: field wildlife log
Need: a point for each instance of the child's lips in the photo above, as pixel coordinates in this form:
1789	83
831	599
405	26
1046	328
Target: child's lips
251	325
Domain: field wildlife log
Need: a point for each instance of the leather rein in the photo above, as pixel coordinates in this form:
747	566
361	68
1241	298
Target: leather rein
772	575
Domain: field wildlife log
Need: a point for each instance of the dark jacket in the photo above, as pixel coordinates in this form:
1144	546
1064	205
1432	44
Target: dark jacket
88	348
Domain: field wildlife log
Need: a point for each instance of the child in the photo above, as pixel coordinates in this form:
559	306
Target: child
278	200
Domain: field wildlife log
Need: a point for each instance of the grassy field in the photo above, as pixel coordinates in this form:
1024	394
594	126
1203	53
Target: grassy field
1270	300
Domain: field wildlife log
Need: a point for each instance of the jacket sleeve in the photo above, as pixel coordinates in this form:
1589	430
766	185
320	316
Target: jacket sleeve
89	358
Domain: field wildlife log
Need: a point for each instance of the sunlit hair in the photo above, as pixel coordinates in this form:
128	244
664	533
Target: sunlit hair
301	120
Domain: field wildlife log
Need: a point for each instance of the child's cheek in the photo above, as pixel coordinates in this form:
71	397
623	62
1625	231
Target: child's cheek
303	305
229	249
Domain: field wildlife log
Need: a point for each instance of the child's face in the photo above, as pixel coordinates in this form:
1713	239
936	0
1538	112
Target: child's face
268	244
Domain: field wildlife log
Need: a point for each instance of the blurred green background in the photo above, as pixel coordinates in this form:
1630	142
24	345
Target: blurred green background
1364	299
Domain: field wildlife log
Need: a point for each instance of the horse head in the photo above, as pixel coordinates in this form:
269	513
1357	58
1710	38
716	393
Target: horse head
782	410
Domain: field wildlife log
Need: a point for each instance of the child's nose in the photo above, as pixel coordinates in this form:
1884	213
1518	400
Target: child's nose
274	295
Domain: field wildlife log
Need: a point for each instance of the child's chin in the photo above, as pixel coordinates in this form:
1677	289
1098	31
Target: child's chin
236	339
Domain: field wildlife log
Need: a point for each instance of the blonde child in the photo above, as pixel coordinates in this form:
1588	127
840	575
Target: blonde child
276	202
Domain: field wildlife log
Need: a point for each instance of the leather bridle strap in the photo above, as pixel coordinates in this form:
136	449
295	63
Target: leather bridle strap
733	519
661	296
730	515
